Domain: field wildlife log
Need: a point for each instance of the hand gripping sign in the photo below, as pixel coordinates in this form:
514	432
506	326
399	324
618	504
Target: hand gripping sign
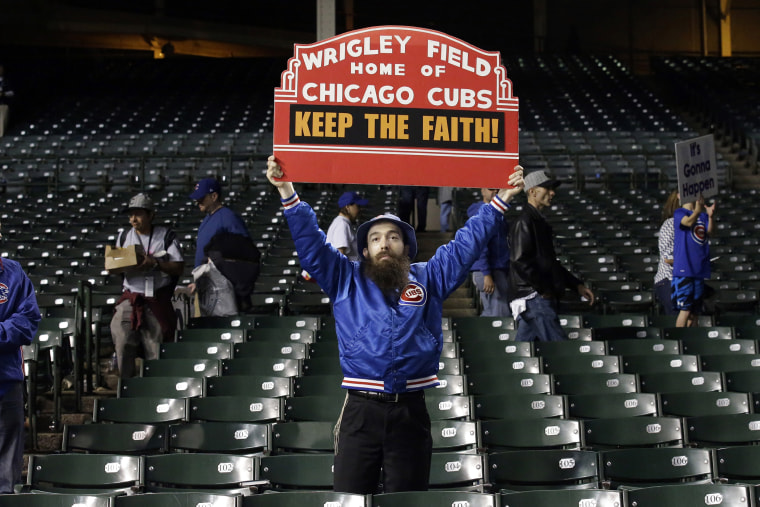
396	105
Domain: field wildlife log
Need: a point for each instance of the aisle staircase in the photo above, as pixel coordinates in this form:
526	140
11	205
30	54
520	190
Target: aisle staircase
464	301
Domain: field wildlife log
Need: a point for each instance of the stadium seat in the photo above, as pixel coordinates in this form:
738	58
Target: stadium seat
305	499
595	383
628	301
569	347
660	363
614	333
736	300
513	382
315	385
211	335
217	472
541	433
477	328
448	407
723	430
308	304
325	365
690	333
117	438
146	410
433	499
681	381
313	323
195	350
290	350
455	366
267	303
689	495
449	385
456	470
55	500
710	346
324	407
452	435
643	346
163	387
283	335
729	362
738	464
610	405
476	349
220	437
705	403
519	406
281	367
177	499
558	365
621	432
561	498
623	467
180	368
231	322
84	473
615	320
543	469
303	436
298	471
267	386
253	409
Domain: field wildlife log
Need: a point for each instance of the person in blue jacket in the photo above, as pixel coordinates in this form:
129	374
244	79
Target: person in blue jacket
19	318
490	273
388	314
219	221
219	218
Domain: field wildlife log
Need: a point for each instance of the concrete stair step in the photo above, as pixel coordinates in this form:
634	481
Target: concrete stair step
460	312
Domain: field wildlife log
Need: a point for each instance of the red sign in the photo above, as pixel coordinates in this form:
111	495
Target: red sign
396	105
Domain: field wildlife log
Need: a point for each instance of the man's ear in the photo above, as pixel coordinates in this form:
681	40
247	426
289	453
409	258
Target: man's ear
406	250
365	253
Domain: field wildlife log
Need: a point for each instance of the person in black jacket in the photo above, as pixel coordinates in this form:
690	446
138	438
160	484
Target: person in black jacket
536	278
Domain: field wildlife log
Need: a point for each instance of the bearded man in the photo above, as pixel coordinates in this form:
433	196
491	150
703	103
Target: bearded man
388	320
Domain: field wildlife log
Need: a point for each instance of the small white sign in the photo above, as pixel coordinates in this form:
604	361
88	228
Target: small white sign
697	168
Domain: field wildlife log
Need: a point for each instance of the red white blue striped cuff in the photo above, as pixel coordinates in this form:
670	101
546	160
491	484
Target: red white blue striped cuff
291	202
500	205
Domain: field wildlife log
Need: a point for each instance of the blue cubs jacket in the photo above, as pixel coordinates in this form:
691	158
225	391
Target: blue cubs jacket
19	318
387	345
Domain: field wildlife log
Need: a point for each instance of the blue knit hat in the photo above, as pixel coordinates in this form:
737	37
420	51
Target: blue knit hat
410	239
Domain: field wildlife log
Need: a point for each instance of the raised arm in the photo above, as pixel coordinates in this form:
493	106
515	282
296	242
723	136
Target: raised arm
317	257
453	261
710	222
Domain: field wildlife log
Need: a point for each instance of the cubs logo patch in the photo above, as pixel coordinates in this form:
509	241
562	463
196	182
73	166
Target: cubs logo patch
699	233
3	293
413	294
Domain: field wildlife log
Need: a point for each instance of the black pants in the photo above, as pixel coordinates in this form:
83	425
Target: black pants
388	438
407	197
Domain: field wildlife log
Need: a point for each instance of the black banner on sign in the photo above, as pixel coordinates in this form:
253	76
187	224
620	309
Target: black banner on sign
416	128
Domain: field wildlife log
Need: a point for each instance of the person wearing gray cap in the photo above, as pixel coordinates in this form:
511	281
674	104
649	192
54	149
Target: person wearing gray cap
144	314
537	279
387	312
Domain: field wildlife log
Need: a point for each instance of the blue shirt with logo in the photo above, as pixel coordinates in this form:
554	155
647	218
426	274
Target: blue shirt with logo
691	246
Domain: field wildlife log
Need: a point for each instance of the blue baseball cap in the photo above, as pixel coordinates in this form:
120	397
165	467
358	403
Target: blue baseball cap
205	187
407	230
351	198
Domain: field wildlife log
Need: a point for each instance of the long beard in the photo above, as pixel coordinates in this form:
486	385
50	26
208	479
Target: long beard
390	275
